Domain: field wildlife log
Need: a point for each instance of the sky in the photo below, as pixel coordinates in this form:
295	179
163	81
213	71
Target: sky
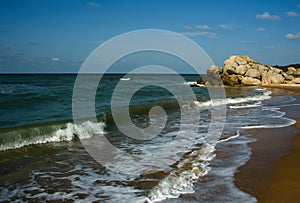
47	36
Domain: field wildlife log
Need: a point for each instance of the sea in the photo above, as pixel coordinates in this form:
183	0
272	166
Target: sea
48	156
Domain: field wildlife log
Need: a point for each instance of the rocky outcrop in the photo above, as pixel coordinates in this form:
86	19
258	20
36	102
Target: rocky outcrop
213	76
242	70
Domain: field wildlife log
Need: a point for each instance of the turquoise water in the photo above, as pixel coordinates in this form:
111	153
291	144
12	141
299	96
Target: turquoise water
42	158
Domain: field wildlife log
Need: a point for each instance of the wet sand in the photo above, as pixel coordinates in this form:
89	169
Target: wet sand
285	185
273	172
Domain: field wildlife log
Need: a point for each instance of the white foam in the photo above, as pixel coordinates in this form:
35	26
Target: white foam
87	129
256	104
261	89
230	138
226	101
125	79
5	90
181	180
82	181
288	105
288	123
84	130
194	83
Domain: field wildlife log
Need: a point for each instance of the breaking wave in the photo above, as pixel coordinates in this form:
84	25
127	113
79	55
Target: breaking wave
259	96
24	136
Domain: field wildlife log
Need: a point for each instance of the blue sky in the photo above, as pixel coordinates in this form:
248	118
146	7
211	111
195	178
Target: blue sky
57	36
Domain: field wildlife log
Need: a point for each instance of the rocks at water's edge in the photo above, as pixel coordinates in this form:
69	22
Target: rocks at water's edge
242	70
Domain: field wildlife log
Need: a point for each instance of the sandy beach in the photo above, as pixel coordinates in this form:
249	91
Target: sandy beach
272	174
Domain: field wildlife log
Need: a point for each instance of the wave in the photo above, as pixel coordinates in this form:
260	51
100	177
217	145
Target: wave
286	122
125	78
180	181
188	170
194	83
261	89
231	101
49	133
256	104
20	89
230	137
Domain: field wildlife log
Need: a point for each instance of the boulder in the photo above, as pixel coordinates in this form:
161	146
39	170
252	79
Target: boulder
276	70
230	61
230	70
253	73
213	76
276	78
230	65
296	80
214	70
240	60
265	78
247	58
230	80
261	68
201	80
290	82
242	69
288	77
295	72
250	81
291	70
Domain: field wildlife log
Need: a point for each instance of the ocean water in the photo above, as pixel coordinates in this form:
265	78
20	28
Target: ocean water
44	156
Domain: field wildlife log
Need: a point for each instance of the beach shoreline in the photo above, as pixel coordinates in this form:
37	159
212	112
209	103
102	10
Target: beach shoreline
272	174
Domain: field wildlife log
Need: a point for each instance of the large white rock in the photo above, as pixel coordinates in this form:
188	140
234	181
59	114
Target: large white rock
250	81
276	78
262	68
230	65
240	60
296	80
253	73
242	69
291	70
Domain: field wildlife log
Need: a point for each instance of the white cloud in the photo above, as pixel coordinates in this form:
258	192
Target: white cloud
298	6
203	27
293	36
198	27
267	16
291	14
260	29
188	28
93	4
226	27
201	34
55	59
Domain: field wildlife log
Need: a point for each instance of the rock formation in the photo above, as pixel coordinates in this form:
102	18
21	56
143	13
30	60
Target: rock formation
242	70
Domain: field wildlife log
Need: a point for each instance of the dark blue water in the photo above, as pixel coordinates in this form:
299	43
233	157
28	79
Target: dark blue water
42	158
30	99
33	98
